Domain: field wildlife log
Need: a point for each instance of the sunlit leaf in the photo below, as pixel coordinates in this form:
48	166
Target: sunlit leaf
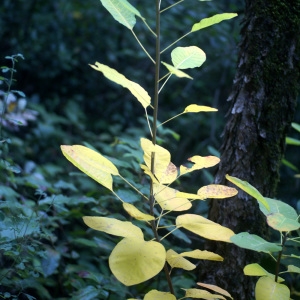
135	213
122	11
212	20
135	89
293	269
114	227
201	294
200	162
256	270
177	261
175	71
254	242
134	261
187	57
91	163
216	191
281	223
292	141
202	254
248	188
215	289
267	289
156	295
166	198
204	227
195	108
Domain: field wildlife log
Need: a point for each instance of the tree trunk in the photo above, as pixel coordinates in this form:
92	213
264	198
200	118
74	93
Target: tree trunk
263	101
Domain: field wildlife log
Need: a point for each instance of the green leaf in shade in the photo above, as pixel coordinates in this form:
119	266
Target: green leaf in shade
257	270
212	20
187	57
136	90
289	165
292	141
277	206
253	242
281	223
296	126
122	11
248	188
175	71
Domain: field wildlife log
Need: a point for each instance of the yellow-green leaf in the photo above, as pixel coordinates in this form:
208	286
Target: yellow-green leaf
135	213
135	89
187	57
281	223
167	200
216	191
91	163
202	254
257	270
293	269
133	260
212	20
248	188
122	11
175	71
204	227
114	227
267	289
157	295
201	294
200	162
215	289
195	108
177	261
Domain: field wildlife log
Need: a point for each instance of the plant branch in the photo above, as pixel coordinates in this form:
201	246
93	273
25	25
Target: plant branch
175	42
163	10
279	256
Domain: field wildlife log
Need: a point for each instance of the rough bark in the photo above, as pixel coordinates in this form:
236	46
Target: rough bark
263	101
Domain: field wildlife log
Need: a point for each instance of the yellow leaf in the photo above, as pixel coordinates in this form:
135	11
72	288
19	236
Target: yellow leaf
91	163
267	289
114	227
148	172
166	198
256	270
194	108
293	269
200	163
204	254
135	89
216	191
156	295
133	260
177	261
135	213
204	227
162	158
215	289
201	294
188	196
167	177
175	71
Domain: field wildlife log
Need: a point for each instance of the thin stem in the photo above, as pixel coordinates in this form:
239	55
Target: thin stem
149	27
142	46
170	119
165	83
171	6
148	122
175	42
279	256
133	187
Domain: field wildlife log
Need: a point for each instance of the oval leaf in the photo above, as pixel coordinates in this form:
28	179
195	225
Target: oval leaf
114	227
281	223
216	191
293	269
267	289
135	213
248	188
201	294
135	89
200	162
122	11
187	57
212	20
254	242
175	71
204	227
215	289
134	261
91	163
277	206
177	261
204	254
194	108
156	295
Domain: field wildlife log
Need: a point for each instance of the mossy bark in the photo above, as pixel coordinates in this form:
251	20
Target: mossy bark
263	101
